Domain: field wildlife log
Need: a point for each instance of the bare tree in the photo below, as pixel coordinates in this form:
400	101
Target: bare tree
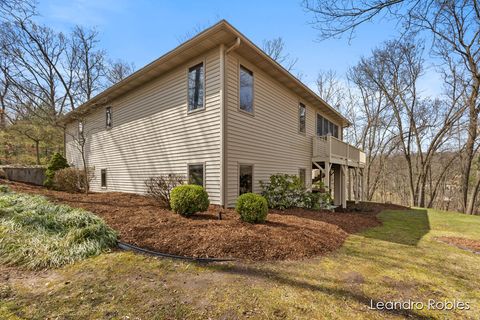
118	70
423	125
275	48
330	88
88	62
80	138
454	27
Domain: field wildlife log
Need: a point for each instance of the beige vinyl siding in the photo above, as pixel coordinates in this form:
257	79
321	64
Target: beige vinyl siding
270	139
153	134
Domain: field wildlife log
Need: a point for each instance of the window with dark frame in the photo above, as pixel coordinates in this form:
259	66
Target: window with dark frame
246	89
245	179
302	174
302	112
326	127
196	87
196	173
108	117
103	178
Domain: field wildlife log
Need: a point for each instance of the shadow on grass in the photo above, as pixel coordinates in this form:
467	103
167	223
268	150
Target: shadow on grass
403	227
341	293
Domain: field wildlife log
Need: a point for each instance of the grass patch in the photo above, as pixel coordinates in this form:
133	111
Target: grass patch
397	261
37	234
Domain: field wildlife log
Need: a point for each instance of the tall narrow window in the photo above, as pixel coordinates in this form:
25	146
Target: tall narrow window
302	111
245	179
196	87
335	131
319	125
246	89
103	178
80	128
196	174
302	174
108	117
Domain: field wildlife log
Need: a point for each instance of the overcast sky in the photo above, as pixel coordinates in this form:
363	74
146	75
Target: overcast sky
140	31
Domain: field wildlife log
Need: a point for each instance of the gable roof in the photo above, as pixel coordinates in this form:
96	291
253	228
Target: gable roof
221	32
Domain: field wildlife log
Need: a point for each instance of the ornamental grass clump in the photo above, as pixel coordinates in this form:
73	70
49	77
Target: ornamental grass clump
37	234
252	208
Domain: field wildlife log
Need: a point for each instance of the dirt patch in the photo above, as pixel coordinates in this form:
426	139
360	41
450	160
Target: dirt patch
286	235
462	243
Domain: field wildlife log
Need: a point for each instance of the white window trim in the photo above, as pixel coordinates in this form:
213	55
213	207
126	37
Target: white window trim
239	66
238	176
111	118
298	115
197	62
203	164
106	177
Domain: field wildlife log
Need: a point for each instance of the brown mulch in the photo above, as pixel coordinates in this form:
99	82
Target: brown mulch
462	243
287	235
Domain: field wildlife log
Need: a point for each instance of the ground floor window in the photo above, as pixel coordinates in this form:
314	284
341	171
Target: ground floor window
196	174
246	179
103	178
302	173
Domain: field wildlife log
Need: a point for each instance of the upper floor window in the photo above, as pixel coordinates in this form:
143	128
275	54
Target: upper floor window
196	87
246	89
302	111
80	128
326	127
81	132
108	117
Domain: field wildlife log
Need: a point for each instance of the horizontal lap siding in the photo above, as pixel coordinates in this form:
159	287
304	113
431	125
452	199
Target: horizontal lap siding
152	133
270	140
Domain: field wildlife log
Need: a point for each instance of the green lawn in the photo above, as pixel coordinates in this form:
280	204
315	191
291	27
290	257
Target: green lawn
400	260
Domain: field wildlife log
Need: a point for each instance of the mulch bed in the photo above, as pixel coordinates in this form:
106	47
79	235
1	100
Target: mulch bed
287	235
462	243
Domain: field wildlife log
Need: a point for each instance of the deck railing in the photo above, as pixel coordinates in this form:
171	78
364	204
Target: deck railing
333	149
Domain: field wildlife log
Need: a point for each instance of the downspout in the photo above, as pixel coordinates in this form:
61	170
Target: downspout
222	126
224	117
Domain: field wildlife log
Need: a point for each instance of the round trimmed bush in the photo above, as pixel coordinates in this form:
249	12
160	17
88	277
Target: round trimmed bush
252	208
189	199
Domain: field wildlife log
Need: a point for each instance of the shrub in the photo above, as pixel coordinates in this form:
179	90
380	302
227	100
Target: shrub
189	199
38	234
69	179
160	187
4	188
56	163
312	200
252	207
283	191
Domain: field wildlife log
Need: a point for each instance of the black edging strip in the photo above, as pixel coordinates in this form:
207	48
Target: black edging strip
126	246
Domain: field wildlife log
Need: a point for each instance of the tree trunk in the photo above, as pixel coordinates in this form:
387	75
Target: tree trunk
37	151
473	198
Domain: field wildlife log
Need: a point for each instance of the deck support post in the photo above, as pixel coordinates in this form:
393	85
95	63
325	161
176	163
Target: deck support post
357	185
326	171
340	192
350	184
343	182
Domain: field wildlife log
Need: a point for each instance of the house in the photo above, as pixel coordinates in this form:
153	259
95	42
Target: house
218	110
